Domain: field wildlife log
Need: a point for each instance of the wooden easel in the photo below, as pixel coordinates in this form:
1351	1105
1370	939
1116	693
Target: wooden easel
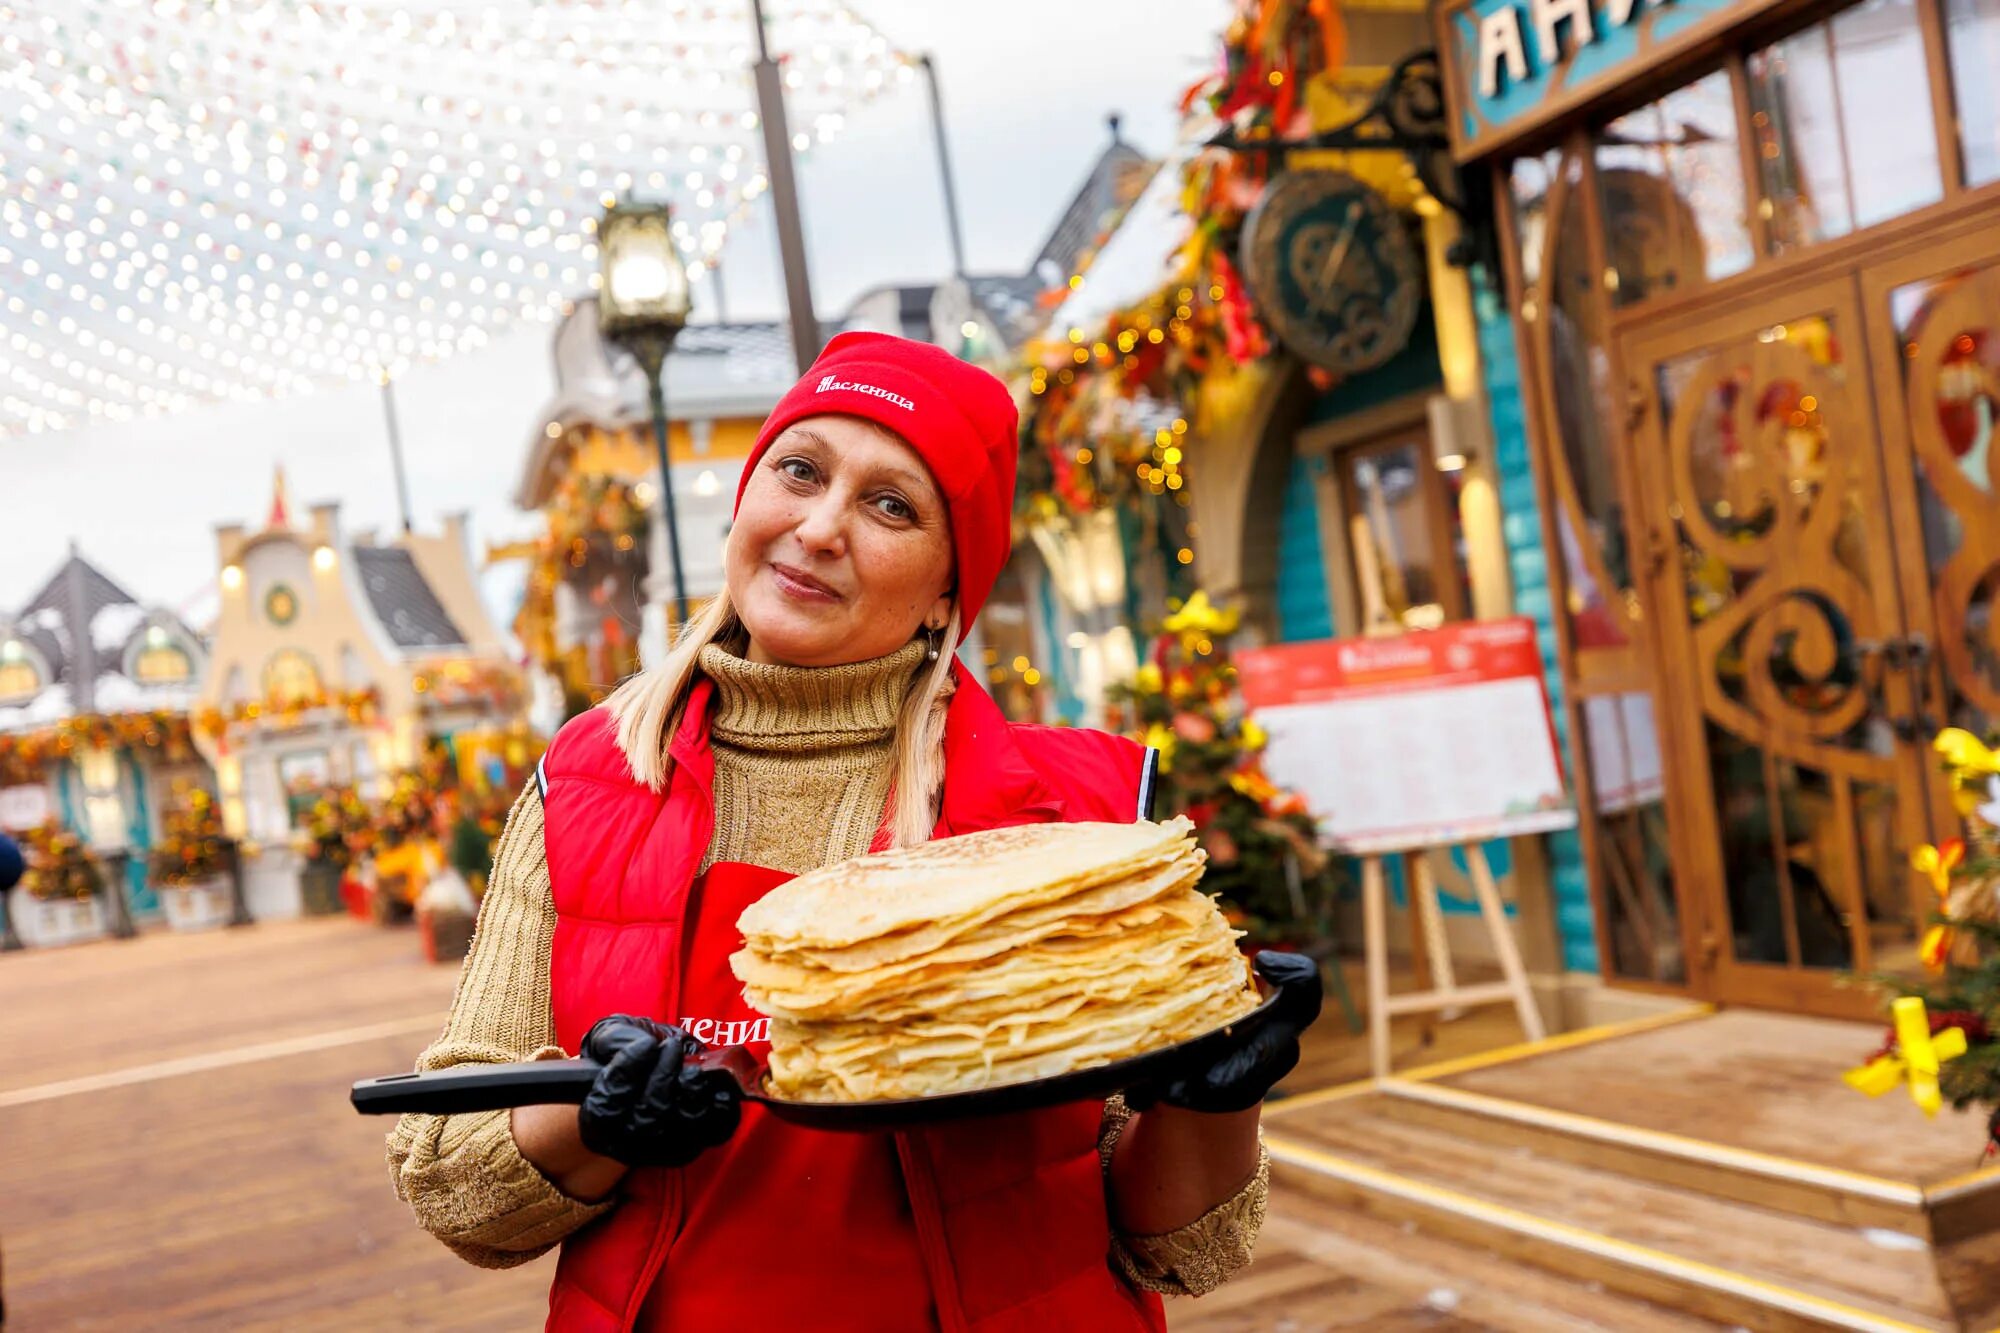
1445	994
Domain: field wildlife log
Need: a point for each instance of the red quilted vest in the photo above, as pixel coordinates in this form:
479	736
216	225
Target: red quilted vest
1010	1211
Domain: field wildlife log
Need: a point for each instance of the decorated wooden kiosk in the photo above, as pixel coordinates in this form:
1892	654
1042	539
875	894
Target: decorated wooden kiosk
336	662
98	771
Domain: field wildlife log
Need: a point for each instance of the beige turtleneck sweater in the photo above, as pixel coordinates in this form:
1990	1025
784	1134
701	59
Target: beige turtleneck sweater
801	777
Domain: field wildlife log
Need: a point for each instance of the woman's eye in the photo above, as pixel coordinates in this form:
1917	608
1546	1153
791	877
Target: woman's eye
796	468
895	507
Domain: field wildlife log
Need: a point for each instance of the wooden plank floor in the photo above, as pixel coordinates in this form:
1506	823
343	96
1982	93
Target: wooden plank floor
247	1195
1766	1082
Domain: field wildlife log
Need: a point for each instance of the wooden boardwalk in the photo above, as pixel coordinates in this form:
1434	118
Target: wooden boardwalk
176	1151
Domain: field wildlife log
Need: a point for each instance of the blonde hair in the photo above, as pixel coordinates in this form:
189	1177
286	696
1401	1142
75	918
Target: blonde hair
647	707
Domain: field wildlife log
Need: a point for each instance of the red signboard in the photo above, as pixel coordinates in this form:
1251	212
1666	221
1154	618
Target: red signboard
1427	737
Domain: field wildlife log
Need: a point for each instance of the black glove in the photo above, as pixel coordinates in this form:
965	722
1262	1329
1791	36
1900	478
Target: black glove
649	1106
1239	1080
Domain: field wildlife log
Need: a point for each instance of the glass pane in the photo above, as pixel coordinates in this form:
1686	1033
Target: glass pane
1838	147
1949	329
1672	181
1634	870
1973	36
1393	544
1529	180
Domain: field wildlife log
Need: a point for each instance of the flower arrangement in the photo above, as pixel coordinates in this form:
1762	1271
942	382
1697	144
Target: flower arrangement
338	826
190	847
1264	859
58	864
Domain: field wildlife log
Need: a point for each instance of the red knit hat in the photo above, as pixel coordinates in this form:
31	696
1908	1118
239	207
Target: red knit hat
959	419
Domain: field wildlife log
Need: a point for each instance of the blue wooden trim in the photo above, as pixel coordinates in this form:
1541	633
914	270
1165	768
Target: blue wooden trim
1528	563
1305	608
144	902
1069	707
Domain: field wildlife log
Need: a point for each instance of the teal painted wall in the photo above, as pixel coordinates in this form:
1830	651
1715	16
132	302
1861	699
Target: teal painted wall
1528	564
1305	608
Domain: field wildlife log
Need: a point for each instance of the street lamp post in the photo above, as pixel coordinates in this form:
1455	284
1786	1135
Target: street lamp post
642	305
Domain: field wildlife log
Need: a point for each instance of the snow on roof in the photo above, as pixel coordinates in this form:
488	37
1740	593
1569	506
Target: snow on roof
113	626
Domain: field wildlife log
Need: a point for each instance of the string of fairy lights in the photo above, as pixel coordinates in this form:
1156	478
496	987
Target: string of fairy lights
205	200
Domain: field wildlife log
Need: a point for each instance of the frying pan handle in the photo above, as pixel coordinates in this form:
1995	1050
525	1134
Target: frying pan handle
477	1088
502	1087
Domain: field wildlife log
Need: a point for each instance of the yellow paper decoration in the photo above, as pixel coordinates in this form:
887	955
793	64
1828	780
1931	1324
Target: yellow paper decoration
1935	864
1965	751
1198	616
1915	1060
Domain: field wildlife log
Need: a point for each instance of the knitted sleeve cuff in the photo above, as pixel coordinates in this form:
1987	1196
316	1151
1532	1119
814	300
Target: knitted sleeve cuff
1194	1259
472	1189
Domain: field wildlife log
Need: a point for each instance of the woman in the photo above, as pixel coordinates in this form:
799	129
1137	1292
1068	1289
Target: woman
811	712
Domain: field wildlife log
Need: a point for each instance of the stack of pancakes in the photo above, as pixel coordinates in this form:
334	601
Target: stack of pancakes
988	959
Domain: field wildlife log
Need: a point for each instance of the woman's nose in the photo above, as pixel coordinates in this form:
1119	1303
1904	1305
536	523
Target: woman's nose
823	526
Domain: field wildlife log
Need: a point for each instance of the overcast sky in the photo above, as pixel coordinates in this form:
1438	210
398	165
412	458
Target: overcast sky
1027	87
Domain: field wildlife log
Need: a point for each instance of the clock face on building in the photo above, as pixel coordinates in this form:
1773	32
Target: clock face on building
281	604
1333	270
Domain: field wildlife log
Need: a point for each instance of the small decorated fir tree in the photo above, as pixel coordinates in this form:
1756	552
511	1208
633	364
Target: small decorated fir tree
1943	1044
1264	860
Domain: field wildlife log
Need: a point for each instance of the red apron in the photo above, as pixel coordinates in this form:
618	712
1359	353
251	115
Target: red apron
826	1215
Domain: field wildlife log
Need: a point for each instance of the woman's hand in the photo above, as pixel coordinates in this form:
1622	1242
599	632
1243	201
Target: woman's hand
1241	1078
1193	1142
650	1106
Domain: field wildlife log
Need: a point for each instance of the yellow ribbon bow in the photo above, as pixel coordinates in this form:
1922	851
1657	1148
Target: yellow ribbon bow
1915	1059
1198	616
1964	751
1936	864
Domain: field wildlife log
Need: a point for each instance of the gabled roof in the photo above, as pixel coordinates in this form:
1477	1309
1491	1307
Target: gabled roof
403	602
116	620
99	591
1115	180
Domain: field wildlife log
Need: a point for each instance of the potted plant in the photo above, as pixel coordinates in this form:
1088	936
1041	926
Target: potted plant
188	865
65	894
334	822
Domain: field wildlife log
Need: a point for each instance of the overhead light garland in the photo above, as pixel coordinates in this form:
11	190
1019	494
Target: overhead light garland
207	200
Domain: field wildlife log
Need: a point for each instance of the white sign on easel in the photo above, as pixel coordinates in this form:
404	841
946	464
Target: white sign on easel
1432	739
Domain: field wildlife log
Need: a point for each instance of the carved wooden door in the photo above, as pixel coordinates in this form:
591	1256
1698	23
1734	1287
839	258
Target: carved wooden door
1798	745
1934	325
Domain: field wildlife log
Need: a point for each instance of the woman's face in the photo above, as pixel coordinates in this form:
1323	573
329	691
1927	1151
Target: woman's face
841	548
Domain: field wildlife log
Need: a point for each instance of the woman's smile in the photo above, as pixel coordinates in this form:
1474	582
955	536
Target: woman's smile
797	584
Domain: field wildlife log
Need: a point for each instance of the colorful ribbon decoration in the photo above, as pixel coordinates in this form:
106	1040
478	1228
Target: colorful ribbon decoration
1915	1059
1936	864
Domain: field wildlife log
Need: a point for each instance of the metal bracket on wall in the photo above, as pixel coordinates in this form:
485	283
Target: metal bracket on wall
1406	115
